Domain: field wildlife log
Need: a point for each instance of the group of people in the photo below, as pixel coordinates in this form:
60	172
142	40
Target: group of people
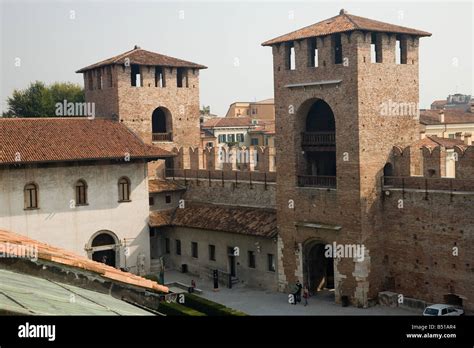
297	294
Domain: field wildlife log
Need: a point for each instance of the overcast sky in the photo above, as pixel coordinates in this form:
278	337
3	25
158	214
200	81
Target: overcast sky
52	46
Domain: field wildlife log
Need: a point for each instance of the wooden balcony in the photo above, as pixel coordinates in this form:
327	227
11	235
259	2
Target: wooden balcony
162	137
326	139
322	181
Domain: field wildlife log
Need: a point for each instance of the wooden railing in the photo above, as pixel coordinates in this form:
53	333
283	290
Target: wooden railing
162	137
317	181
318	139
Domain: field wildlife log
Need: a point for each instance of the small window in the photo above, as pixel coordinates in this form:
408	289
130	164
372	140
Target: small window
151	201
81	192
251	259
135	75
222	138
178	247
90	82
254	141
210	144
109	76
167	245
271	262
312	53
337	48
194	249
31	196
160	77
451	136
99	79
168	199
230	138
124	189
212	252
375	49
182	77
290	56
240	137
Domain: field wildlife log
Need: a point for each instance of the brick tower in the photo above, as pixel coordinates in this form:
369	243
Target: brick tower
156	96
346	91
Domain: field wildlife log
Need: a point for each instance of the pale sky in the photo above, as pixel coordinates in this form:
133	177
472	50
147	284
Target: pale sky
52	46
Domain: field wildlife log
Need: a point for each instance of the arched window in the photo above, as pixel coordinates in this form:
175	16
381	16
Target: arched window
81	192
388	170
161	125
31	196
124	189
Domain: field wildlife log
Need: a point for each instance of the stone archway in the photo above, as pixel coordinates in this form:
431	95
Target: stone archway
318	269
103	247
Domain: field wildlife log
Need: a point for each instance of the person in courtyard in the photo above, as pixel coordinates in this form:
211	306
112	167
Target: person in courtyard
299	287
305	295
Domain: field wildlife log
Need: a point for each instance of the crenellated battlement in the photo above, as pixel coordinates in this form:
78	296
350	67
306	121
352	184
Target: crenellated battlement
433	162
252	158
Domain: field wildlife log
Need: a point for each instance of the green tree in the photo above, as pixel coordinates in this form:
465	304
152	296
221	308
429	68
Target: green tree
39	100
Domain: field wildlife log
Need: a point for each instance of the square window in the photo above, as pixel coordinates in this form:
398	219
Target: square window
151	201
251	259
212	252
178	247
168	199
167	245
194	249
271	262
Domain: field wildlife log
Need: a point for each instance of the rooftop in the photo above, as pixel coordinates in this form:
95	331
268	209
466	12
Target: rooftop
160	185
37	140
434	141
451	116
66	258
143	57
342	23
228	122
234	219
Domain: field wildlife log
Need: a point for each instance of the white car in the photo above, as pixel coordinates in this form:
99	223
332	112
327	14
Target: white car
442	309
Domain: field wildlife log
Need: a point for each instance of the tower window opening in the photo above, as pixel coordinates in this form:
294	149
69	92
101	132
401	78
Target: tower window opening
376	49
182	77
135	75
160	77
290	56
313	53
337	49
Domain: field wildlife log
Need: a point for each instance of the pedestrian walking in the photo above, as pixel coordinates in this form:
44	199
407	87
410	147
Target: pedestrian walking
299	288
305	295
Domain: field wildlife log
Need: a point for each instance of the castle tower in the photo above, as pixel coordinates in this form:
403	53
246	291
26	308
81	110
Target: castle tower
346	91
156	96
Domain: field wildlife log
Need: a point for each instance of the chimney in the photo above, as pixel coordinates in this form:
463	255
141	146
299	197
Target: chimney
342	11
423	134
441	116
467	139
458	135
136	47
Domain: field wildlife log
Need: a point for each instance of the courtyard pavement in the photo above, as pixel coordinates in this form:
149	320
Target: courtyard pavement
260	302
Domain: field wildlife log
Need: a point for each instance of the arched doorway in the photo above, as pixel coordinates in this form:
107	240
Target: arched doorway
319	269
103	248
161	124
318	145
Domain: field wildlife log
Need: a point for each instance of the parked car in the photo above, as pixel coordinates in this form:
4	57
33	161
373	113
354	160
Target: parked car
441	310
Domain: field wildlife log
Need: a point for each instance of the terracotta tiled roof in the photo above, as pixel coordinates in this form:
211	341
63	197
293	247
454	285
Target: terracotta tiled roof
228	122
451	116
267	127
143	57
440	102
67	258
344	23
242	220
35	140
159	185
434	141
161	218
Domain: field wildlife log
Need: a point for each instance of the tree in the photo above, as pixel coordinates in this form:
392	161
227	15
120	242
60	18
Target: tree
39	100
206	110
